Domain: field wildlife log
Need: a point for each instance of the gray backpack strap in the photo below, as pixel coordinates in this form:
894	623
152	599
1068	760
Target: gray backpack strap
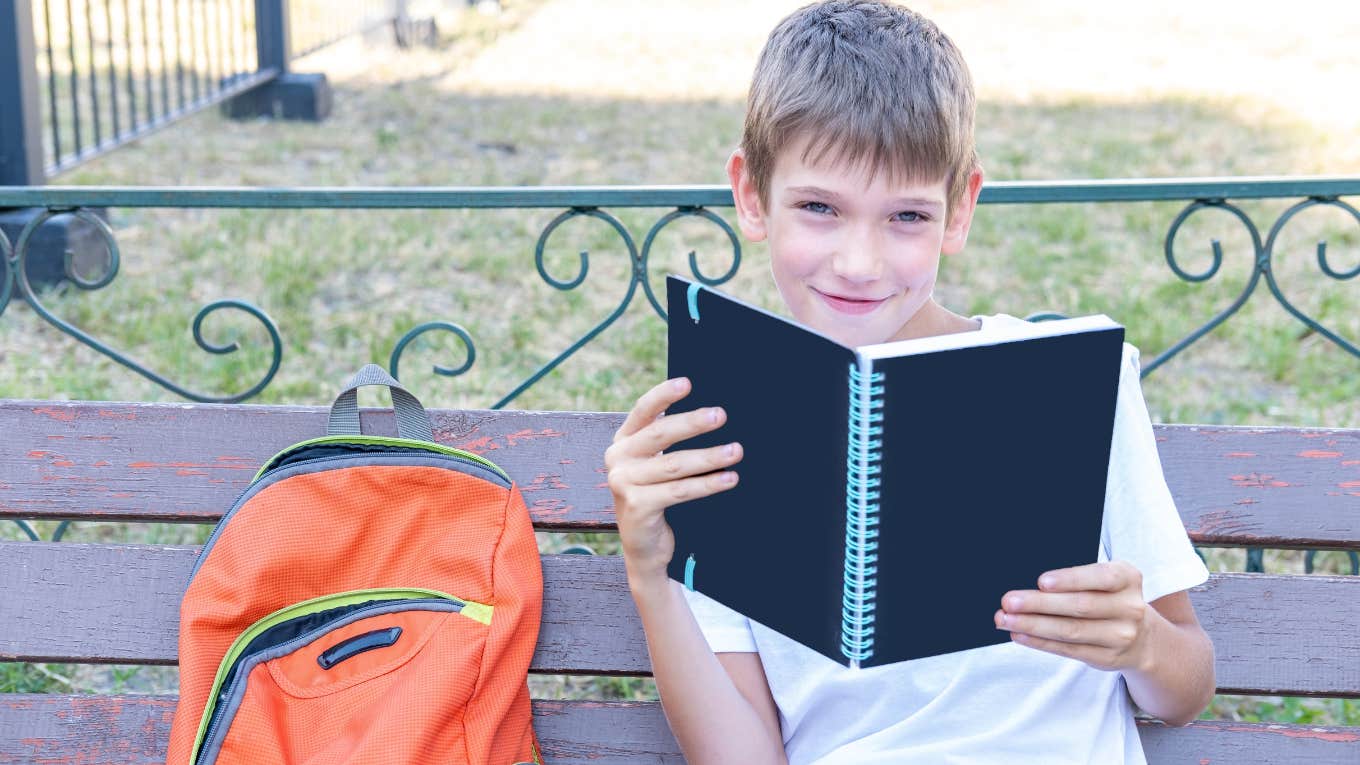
412	420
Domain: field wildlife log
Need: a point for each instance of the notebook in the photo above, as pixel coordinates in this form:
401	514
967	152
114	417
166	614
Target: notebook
865	468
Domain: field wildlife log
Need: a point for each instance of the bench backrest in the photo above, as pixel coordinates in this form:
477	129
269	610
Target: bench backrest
1270	487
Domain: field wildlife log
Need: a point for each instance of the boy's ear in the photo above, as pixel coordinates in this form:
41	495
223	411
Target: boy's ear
750	210
961	219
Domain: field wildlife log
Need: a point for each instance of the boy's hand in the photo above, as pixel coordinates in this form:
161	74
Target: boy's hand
645	482
1094	613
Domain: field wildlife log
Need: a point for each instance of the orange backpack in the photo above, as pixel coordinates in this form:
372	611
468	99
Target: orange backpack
366	600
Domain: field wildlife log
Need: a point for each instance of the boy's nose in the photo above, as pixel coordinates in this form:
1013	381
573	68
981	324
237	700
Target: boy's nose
857	259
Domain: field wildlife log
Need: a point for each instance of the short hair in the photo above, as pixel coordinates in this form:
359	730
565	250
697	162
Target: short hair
870	84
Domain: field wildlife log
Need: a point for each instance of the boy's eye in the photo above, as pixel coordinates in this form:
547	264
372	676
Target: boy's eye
815	207
910	216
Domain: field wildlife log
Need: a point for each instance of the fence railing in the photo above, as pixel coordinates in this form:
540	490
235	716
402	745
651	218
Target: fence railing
681	202
79	78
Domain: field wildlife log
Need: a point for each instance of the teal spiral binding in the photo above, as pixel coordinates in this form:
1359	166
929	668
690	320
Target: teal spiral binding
861	515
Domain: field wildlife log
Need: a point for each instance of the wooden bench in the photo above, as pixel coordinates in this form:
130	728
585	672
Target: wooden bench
117	603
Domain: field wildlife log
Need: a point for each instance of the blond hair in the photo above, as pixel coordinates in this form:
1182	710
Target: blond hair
868	84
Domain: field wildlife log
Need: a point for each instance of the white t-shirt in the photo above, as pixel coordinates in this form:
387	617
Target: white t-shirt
1002	703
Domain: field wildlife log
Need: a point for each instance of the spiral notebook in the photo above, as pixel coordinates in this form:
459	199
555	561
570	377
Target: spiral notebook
890	494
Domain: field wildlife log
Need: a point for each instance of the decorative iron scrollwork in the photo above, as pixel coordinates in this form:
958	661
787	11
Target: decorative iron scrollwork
430	326
18	273
1262	268
639	278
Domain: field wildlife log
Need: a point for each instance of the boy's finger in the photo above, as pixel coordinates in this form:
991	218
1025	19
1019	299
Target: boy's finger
685	489
651	404
1093	576
1078	651
1081	631
672	429
682	464
1088	604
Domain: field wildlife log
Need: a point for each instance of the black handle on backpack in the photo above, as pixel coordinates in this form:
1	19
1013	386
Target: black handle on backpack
412	420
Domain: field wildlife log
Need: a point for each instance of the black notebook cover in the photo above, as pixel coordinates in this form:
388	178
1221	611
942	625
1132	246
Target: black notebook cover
1005	445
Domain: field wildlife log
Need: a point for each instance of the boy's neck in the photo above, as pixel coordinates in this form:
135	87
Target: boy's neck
934	319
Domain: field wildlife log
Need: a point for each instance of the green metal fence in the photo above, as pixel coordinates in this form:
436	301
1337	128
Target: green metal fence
678	202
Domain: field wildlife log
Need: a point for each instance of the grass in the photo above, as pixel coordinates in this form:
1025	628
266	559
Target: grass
1285	709
535	97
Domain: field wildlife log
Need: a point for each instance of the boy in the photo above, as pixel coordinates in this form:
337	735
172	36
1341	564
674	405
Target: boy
857	165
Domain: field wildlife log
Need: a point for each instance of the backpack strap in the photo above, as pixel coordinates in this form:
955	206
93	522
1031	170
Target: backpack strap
412	420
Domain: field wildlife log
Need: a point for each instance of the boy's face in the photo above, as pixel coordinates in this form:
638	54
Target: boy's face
853	256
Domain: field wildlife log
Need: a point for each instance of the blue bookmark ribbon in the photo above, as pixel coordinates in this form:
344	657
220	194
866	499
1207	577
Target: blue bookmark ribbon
693	295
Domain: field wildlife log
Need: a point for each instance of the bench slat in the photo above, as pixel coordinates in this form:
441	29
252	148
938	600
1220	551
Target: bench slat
1272	487
1249	744
120	604
188	463
1288	635
1268	487
132	730
1282	635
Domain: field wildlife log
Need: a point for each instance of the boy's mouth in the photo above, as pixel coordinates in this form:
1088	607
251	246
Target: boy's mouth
849	305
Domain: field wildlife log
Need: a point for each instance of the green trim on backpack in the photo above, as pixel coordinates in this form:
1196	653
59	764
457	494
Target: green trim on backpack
384	441
534	751
303	608
477	612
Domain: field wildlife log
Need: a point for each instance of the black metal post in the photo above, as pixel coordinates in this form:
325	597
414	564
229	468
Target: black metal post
271	34
21	148
21	153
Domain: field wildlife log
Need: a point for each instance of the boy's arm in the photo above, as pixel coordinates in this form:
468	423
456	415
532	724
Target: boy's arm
719	706
720	709
1096	614
1178	682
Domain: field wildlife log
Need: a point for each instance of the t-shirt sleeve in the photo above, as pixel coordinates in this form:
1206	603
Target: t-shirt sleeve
725	630
1141	524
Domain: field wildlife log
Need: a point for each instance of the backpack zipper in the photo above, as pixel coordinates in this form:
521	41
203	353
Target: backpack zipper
382	441
334	600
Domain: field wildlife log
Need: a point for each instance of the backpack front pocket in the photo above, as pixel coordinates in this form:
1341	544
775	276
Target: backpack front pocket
343	678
